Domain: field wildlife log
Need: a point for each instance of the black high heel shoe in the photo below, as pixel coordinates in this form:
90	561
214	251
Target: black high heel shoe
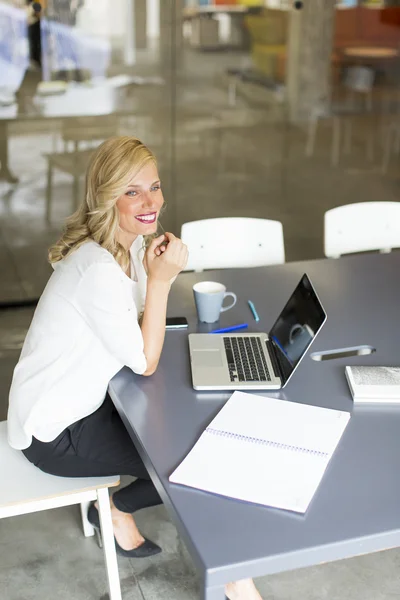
148	548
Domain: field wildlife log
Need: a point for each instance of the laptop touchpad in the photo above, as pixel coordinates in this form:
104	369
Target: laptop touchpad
207	358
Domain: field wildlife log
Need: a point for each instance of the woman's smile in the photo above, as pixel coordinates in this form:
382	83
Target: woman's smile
147	218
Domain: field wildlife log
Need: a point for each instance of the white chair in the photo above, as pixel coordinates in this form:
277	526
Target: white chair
25	489
233	243
361	227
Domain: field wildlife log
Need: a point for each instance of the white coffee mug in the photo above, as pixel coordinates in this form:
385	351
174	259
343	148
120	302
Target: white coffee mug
209	297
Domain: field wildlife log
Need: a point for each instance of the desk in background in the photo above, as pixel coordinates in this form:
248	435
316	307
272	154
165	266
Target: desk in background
377	58
356	508
216	26
110	98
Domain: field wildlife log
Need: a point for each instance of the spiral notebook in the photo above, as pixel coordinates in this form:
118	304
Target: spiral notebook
264	450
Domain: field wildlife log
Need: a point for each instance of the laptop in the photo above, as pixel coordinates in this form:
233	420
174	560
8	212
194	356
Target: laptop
259	361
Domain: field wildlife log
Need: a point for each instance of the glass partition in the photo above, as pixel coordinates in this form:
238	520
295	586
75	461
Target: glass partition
253	108
72	73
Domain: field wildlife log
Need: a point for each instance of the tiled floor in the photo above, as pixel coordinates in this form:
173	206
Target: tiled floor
241	161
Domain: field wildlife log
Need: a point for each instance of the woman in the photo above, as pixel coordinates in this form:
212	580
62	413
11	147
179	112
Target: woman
34	12
104	307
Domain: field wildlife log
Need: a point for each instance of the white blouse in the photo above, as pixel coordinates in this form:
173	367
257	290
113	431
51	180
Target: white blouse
84	330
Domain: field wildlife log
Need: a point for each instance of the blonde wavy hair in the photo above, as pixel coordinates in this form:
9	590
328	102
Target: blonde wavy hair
112	167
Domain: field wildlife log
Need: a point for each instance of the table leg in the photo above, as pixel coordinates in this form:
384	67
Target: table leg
221	150
388	148
336	141
370	141
232	85
348	128
311	136
5	173
214	593
397	139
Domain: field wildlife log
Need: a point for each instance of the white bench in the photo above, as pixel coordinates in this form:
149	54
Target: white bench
26	489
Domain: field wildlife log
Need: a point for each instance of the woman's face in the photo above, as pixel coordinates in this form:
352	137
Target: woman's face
140	205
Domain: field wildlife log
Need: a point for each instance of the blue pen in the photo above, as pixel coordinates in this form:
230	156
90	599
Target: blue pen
253	310
233	328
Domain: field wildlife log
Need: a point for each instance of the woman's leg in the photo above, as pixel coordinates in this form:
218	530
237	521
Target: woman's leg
103	439
242	590
99	445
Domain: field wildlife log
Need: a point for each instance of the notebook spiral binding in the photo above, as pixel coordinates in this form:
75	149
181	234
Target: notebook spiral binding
260	441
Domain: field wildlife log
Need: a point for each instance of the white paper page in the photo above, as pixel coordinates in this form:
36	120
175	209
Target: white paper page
272	419
246	471
260	472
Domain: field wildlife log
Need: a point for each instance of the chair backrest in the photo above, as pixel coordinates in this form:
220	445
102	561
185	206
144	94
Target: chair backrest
361	227
232	243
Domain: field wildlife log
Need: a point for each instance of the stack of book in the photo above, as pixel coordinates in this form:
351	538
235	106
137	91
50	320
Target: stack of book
374	384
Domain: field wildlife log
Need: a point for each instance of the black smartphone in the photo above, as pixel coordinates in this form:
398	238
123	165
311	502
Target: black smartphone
176	323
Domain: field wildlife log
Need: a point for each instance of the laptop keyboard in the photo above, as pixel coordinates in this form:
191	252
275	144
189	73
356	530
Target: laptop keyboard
246	360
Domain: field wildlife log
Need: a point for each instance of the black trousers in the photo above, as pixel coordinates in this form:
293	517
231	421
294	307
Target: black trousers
35	43
96	446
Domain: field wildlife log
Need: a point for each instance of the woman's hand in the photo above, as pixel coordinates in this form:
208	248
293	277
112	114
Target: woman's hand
162	247
166	264
164	259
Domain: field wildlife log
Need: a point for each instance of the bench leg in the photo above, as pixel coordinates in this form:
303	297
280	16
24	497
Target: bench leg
88	528
107	533
5	173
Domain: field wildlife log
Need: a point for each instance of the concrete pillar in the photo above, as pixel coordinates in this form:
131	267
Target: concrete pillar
170	53
309	63
129	47
171	34
141	24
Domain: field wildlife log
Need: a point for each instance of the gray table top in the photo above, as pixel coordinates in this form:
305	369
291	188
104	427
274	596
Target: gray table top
356	509
86	101
67	106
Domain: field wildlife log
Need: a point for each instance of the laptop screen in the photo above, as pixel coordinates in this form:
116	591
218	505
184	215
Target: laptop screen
297	325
